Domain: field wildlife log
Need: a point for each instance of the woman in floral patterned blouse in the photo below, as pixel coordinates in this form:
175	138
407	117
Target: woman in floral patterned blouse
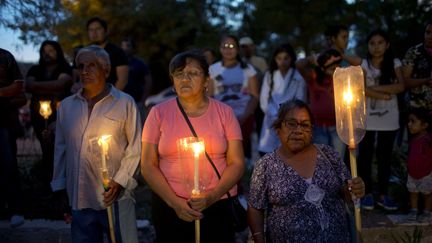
297	191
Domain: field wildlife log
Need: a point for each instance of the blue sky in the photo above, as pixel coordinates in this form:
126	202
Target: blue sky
22	52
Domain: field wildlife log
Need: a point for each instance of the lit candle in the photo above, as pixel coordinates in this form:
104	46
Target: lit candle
45	110
348	98
197	148
103	142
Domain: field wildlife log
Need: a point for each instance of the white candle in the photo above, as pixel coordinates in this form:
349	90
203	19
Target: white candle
196	171
349	97
197	147
103	142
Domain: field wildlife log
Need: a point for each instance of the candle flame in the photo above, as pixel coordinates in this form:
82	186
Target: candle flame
197	147
103	141
348	96
45	108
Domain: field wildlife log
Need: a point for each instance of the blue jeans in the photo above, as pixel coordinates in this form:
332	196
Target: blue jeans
328	135
89	225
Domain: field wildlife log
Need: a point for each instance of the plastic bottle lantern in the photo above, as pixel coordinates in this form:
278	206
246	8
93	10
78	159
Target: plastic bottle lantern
194	165
349	95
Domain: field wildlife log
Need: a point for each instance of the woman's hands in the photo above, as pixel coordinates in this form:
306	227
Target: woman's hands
357	187
202	201
184	210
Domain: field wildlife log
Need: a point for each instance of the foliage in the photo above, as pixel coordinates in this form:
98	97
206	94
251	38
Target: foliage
302	23
163	28
160	28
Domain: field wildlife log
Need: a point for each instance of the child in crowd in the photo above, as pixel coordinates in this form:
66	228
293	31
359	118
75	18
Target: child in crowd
420	163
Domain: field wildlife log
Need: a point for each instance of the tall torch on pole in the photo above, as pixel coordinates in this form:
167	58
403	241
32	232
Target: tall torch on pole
103	143
350	110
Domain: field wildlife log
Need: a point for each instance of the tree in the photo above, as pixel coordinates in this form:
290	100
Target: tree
160	28
302	22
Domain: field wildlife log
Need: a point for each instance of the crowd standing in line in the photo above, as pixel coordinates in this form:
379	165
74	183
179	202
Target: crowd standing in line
298	139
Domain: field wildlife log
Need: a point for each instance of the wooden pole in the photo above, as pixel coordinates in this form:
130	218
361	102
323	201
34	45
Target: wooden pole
357	212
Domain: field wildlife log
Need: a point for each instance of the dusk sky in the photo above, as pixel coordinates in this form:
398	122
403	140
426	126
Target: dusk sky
22	52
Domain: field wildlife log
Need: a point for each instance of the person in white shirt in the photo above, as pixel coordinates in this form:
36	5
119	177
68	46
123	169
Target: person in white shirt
384	80
97	109
281	83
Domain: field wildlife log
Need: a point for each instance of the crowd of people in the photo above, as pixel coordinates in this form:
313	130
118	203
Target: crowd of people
299	185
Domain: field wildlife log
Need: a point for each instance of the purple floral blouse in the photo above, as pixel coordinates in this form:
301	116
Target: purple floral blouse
280	191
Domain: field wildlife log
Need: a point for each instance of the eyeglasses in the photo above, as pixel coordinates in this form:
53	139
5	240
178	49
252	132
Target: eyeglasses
293	124
188	75
233	87
228	46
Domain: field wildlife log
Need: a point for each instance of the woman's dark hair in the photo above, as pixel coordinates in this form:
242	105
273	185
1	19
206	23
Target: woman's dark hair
387	65
179	61
288	106
424	115
243	64
273	65
322	60
61	60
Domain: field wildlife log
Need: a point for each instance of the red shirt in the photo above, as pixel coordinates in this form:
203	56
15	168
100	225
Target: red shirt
321	99
420	156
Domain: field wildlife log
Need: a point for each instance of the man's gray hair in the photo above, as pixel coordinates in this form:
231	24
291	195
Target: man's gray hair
101	55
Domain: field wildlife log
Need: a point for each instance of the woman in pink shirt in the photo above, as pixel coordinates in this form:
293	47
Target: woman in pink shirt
173	209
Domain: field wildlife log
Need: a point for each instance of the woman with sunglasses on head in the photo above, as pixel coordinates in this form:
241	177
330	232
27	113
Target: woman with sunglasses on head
281	83
297	191
173	208
235	83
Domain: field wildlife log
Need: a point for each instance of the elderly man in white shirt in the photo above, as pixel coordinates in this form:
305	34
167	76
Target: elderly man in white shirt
97	109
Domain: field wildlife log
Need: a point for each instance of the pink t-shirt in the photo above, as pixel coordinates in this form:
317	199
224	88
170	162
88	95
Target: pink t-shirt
420	156
165	124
